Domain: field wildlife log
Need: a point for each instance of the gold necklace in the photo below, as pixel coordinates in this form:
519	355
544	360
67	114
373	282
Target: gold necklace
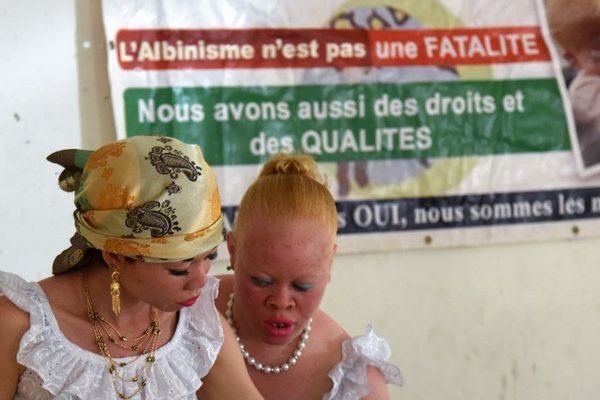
145	343
120	339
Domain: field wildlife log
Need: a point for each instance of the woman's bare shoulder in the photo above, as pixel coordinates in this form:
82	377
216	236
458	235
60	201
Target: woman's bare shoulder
12	318
14	322
331	325
329	331
225	288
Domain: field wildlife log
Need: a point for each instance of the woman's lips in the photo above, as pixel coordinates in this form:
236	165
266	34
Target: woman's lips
279	327
189	302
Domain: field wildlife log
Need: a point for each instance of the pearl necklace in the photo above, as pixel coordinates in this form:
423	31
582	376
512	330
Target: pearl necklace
252	361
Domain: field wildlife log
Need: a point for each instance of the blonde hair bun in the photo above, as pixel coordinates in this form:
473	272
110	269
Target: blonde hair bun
289	186
293	164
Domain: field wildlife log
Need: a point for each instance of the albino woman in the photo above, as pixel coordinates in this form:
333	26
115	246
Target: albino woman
129	312
281	249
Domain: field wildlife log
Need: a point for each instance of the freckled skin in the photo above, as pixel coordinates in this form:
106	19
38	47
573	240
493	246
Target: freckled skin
289	255
283	253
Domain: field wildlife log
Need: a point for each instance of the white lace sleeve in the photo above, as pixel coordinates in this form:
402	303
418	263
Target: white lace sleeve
349	376
58	369
29	298
198	343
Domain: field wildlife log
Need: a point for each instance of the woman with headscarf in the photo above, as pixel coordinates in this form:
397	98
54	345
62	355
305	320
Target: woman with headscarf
282	248
129	312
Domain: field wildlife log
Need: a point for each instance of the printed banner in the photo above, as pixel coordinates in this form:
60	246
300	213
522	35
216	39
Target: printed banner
437	122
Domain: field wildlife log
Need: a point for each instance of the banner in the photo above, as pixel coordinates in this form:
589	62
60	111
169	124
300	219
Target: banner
437	122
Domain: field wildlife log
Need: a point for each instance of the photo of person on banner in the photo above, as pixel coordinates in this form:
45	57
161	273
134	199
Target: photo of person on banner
360	176
281	251
575	27
129	312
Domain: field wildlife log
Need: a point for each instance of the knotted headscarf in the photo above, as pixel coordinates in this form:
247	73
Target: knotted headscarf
147	197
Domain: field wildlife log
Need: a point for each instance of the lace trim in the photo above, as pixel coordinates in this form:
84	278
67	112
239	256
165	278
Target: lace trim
349	376
66	368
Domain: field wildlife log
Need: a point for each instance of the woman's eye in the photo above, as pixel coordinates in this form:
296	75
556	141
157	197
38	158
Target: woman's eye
303	287
261	282
178	272
212	256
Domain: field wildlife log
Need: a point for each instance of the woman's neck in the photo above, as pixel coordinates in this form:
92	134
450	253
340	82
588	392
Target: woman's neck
134	312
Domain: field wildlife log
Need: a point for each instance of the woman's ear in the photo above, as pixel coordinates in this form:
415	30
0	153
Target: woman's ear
333	252
231	247
114	261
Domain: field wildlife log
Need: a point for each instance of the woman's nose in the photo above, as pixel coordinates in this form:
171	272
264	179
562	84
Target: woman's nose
197	277
281	299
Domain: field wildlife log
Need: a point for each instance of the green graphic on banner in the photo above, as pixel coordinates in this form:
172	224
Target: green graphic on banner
245	125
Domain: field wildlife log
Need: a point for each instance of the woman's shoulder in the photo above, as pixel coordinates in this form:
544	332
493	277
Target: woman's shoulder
43	353
327	338
17	295
364	363
225	289
13	291
14	320
330	327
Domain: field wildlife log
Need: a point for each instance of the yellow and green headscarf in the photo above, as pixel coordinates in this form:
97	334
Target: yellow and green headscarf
148	197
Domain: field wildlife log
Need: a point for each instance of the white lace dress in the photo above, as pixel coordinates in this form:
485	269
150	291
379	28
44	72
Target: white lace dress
58	369
349	376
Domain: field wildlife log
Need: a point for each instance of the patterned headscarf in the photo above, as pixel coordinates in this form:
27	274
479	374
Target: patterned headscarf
147	197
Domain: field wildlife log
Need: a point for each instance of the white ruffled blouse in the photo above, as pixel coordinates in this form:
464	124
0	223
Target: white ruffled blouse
349	376
58	369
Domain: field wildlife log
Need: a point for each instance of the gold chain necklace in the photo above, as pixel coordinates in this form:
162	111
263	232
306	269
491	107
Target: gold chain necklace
145	343
120	340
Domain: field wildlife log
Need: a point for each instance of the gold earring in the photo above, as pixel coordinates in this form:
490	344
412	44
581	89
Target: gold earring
115	293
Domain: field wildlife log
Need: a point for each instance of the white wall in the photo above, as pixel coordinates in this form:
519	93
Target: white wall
498	322
38	114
